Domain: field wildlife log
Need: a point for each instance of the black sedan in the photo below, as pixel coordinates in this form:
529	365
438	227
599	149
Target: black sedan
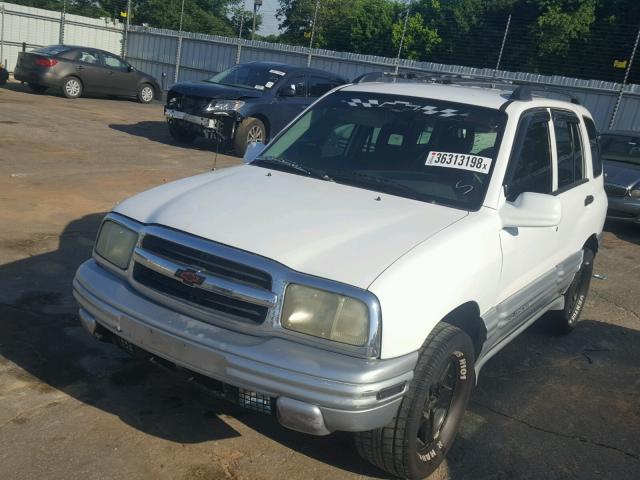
244	104
621	159
77	70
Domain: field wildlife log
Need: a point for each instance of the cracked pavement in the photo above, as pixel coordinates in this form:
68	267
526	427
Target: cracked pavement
72	408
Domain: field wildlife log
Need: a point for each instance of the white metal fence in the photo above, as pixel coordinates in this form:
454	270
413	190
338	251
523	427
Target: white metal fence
37	27
173	56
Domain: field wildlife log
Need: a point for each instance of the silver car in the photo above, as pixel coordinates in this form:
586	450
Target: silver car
621	158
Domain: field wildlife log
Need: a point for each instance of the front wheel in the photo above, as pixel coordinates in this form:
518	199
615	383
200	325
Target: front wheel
145	93
72	87
417	440
249	131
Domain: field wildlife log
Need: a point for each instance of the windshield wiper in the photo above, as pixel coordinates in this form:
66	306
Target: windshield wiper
364	179
292	166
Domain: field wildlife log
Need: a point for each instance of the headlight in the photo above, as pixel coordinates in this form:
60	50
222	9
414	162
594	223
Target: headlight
635	193
223	105
326	315
116	243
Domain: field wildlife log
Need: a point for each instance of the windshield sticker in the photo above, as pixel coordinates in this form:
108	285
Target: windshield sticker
402	105
268	84
461	161
277	72
259	87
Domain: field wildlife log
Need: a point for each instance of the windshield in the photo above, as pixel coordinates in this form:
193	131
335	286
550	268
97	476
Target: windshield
249	76
620	148
428	150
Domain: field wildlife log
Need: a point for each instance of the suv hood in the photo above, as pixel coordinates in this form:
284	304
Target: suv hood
214	90
317	227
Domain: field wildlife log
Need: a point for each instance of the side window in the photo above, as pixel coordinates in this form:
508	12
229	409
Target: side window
298	84
530	167
569	147
318	86
113	62
594	145
87	57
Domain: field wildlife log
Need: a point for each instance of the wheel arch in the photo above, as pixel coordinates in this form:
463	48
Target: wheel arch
592	243
267	125
467	318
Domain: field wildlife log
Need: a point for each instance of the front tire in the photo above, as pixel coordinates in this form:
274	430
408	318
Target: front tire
415	443
250	130
37	88
72	87
564	321
146	93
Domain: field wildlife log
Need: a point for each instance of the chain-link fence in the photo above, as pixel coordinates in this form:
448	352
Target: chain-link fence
596	63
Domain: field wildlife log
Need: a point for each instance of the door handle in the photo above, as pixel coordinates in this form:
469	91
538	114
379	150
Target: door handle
79	67
588	200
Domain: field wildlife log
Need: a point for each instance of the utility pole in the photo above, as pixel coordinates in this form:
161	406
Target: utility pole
624	82
256	6
63	14
504	41
2	35
240	37
313	31
125	36
179	49
404	32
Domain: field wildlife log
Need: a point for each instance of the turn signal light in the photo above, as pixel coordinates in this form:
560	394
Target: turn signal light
46	62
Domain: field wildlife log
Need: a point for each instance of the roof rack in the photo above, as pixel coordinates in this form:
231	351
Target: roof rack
522	91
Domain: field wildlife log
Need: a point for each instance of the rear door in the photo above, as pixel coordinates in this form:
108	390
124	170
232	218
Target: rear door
89	69
573	186
118	79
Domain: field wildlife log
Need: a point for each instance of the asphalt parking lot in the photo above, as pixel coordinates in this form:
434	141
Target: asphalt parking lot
72	408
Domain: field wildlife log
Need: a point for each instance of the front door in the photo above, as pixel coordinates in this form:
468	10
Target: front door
530	254
118	79
291	99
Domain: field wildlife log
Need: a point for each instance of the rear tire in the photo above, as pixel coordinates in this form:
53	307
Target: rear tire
72	87
37	88
250	130
181	134
146	93
414	444
564	321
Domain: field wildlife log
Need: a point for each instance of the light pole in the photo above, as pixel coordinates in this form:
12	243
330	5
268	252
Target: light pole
313	31
256	6
176	72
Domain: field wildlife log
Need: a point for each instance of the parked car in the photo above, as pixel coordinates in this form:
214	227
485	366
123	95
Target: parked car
246	103
78	70
621	158
360	270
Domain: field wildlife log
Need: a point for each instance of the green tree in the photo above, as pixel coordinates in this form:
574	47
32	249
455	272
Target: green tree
420	37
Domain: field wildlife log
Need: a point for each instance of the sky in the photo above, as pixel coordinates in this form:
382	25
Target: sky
268	11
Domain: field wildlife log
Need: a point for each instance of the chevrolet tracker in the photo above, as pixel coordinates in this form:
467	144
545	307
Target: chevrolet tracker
360	269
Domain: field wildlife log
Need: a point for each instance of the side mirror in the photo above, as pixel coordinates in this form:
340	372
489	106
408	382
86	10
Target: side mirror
288	91
130	68
532	210
253	150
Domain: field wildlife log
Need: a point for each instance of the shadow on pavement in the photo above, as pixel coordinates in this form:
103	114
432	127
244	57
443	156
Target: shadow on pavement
545	407
157	131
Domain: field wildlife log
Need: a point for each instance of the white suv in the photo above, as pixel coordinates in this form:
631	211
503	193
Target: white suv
358	272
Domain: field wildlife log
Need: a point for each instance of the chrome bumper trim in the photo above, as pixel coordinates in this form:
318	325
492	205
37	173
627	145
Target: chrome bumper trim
203	122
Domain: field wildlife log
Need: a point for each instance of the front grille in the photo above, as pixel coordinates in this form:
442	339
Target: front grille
192	105
218	266
237	309
615	190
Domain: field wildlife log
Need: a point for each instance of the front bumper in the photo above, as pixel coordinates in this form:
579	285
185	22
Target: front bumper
223	127
316	391
625	209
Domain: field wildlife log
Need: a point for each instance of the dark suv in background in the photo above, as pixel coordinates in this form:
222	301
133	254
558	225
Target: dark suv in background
244	104
77	70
